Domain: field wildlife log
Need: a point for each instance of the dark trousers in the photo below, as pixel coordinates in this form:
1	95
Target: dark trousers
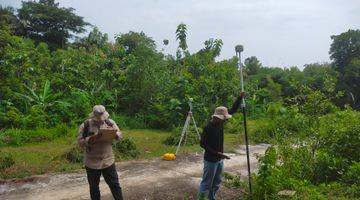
111	178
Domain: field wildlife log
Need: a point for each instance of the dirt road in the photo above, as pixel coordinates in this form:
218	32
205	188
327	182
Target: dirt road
149	179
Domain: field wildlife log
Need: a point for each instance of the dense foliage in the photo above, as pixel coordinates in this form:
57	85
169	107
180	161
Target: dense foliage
318	164
310	116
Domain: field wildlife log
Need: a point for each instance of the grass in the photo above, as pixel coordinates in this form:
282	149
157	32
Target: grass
46	157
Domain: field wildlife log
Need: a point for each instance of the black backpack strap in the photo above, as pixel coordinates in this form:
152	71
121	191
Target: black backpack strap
108	122
86	128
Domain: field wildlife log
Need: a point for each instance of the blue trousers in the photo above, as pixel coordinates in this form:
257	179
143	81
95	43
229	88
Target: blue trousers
211	179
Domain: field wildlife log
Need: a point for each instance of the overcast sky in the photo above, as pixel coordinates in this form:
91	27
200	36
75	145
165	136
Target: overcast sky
279	32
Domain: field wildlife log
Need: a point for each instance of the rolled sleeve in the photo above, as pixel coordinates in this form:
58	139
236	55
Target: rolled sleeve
118	131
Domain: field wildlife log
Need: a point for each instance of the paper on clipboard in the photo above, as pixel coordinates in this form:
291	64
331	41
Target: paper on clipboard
107	134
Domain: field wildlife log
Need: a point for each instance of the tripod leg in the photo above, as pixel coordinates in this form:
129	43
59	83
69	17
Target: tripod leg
196	128
183	132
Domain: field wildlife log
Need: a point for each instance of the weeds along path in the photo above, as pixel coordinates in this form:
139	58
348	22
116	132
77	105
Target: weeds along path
148	179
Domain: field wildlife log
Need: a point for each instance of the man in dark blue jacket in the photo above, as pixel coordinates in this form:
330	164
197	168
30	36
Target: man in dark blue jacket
212	140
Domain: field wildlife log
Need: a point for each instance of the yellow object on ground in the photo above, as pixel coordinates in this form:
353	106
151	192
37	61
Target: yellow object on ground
169	156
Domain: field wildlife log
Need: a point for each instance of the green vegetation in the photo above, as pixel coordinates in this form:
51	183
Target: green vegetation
49	83
316	155
62	154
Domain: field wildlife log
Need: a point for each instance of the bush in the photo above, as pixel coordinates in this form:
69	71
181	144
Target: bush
234	125
61	130
126	148
338	142
340	134
76	108
36	118
129	122
268	181
159	117
11	118
352	180
6	161
233	180
286	168
312	177
352	175
19	137
74	155
327	167
264	131
297	162
286	124
174	138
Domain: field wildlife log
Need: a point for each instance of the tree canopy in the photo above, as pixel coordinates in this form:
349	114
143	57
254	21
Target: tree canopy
46	21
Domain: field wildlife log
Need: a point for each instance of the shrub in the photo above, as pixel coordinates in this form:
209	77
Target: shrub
283	125
78	107
268	182
337	145
264	131
36	118
126	148
352	180
297	162
129	122
61	130
234	125
340	134
232	180
174	138
74	155
11	118
19	137
352	175
327	167
158	117
316	104
6	161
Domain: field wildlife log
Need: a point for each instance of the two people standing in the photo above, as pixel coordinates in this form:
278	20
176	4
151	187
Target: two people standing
99	157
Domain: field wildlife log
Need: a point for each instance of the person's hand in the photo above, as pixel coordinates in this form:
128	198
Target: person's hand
118	135
94	138
223	156
242	95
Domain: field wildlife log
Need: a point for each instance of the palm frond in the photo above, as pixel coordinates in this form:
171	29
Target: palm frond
46	90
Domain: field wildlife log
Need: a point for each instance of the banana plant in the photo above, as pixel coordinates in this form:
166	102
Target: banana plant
44	99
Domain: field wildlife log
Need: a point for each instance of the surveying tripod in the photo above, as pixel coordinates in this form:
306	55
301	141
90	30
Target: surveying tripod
184	131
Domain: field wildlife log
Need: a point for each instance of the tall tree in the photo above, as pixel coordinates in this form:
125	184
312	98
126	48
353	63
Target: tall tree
344	48
46	21
95	38
7	16
345	52
213	46
252	65
351	81
134	41
181	33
